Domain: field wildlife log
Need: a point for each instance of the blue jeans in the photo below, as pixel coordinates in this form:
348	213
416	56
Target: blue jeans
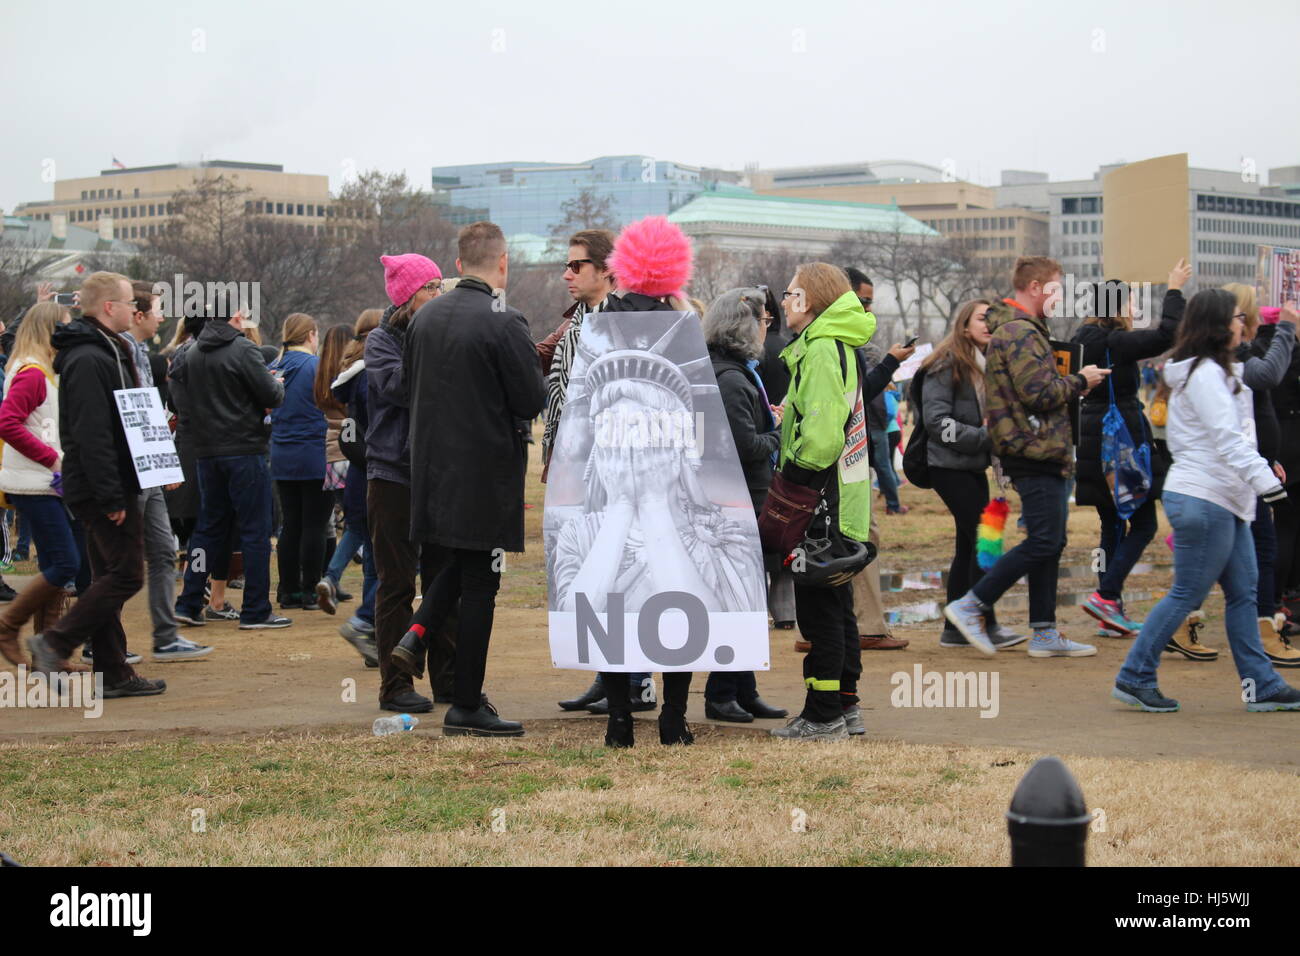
882	459
57	554
1045	508
353	538
1210	544
232	488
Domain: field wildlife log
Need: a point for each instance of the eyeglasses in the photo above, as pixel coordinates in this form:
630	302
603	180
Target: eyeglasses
786	294
575	265
130	302
433	285
764	322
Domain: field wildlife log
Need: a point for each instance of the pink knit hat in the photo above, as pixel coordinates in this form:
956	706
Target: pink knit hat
404	274
1269	315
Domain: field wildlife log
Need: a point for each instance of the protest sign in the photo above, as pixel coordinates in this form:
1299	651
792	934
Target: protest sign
652	552
152	450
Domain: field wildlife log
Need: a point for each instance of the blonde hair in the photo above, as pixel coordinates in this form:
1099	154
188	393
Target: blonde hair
32	340
822	283
1247	303
98	288
297	330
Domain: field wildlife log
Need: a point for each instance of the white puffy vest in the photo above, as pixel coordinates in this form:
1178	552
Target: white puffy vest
19	475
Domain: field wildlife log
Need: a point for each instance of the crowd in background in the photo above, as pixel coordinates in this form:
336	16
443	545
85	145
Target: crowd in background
401	443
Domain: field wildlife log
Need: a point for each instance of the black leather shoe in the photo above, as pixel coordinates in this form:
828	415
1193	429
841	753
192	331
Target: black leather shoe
483	722
408	655
589	696
727	710
618	732
673	729
407	702
763	710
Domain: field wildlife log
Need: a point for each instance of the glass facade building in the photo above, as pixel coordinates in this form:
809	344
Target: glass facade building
528	197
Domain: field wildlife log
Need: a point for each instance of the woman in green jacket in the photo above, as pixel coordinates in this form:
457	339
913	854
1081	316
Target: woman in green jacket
824	445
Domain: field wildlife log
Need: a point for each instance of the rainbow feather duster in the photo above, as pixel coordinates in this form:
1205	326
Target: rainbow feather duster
992	529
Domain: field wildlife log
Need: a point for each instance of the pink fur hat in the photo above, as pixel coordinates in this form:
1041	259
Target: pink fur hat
404	274
653	257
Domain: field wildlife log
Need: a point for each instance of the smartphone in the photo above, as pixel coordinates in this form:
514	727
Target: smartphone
65	298
912	341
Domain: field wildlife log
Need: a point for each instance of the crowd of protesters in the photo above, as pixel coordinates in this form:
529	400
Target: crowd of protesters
413	424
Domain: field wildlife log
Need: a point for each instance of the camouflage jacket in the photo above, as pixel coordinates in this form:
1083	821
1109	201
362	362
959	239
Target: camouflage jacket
1027	399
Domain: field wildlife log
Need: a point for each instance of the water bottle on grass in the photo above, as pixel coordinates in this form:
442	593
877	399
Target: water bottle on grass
394	725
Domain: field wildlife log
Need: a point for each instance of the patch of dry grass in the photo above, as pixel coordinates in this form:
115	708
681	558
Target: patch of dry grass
552	798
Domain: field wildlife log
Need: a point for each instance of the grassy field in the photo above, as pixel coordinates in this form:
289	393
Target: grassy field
734	799
335	795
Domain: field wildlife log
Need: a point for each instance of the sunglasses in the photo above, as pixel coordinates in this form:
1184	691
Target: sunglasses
575	265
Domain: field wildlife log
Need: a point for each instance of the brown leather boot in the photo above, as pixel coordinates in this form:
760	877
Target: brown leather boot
19	611
1277	645
55	606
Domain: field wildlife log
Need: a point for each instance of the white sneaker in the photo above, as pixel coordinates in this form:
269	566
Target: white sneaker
1050	643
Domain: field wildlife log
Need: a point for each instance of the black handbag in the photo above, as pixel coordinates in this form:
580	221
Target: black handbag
916	457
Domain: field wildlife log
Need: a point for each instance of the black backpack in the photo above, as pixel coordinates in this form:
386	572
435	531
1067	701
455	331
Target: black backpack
916	457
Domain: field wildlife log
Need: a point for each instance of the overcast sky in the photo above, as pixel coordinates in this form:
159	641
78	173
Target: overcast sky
326	86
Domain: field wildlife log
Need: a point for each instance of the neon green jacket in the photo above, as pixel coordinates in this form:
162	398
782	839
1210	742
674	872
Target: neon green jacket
818	405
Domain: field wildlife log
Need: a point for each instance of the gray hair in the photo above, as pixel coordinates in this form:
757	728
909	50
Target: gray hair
731	322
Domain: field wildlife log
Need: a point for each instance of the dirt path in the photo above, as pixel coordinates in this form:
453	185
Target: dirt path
297	678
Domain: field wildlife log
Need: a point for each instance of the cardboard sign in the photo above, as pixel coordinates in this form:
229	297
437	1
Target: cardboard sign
652	554
1069	359
152	450
1145	219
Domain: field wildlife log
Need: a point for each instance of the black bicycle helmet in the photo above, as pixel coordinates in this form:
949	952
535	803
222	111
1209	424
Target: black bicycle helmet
826	563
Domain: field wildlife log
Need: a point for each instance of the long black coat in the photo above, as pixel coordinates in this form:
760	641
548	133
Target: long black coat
98	471
472	373
1127	349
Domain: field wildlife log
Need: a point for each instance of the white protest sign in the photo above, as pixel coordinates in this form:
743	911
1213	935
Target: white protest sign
152	450
907	370
652	553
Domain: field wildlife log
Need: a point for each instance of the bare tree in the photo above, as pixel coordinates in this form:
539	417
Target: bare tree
714	271
587	210
21	264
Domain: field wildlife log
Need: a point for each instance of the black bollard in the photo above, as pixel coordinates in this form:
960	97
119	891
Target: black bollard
1048	820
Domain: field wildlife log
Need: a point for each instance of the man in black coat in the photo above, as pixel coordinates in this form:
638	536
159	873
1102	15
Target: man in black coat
473	373
228	389
99	486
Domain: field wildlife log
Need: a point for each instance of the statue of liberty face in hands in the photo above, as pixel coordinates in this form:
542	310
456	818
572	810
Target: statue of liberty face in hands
649	528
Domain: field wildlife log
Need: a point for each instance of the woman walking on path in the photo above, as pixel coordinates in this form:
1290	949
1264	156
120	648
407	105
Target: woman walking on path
1209	497
950	393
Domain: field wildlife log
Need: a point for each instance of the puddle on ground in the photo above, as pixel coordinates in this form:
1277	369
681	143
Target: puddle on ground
897	581
933	610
